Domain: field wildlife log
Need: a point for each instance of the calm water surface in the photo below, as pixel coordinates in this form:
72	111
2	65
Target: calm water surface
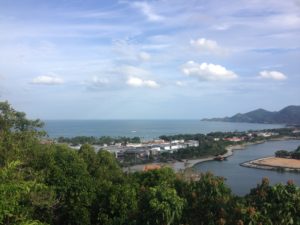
147	129
242	179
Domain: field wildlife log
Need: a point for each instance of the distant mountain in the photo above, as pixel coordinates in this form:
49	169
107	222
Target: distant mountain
288	115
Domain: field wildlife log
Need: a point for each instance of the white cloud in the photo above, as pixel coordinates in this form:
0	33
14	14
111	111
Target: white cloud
138	82
180	83
133	71
99	81
275	75
147	10
284	20
207	46
130	51
221	27
47	80
207	71
144	56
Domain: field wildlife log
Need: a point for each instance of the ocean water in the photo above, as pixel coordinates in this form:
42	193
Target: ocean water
145	129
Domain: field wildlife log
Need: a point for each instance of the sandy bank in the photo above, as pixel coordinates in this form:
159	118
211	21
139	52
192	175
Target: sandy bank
274	163
281	162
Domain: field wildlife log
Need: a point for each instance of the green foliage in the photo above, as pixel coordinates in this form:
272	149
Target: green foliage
164	176
295	155
52	184
14	121
282	153
208	198
159	205
104	140
108	167
18	197
287	115
114	204
203	150
207	146
279	204
89	156
32	222
185	137
17	133
67	174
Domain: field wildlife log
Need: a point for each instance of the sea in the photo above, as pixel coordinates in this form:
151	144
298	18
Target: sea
145	129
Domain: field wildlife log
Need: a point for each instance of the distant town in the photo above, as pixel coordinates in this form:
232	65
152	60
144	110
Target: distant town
131	151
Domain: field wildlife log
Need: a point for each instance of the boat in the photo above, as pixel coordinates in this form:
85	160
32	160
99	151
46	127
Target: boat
219	158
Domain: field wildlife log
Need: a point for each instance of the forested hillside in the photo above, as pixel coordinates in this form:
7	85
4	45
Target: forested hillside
288	115
46	183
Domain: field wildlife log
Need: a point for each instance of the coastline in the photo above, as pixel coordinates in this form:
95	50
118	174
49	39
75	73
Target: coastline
190	163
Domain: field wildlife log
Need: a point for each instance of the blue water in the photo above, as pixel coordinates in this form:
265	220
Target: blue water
242	179
146	129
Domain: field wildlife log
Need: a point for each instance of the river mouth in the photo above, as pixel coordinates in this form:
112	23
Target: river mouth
242	179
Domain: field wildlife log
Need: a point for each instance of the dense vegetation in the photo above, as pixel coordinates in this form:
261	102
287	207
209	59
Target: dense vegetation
53	184
208	146
280	132
104	140
288	154
287	115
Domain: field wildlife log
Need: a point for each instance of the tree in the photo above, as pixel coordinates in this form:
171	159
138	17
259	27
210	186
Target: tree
14	121
88	154
107	167
164	176
208	201
17	133
282	153
295	155
18	196
67	174
278	204
115	204
159	205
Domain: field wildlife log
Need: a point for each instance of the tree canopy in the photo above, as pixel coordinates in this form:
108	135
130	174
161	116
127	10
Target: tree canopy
48	183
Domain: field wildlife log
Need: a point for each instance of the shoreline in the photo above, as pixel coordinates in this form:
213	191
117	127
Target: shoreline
262	164
190	163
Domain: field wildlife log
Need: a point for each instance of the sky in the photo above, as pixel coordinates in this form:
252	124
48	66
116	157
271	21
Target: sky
160	59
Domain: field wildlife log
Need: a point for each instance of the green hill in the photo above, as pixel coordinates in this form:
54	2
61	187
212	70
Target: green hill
288	115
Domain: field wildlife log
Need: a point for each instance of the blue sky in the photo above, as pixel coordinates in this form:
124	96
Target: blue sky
162	59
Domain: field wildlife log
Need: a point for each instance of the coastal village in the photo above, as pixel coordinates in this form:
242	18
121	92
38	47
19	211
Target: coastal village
152	150
145	149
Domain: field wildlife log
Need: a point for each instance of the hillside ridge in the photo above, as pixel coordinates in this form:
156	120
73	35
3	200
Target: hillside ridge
288	115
